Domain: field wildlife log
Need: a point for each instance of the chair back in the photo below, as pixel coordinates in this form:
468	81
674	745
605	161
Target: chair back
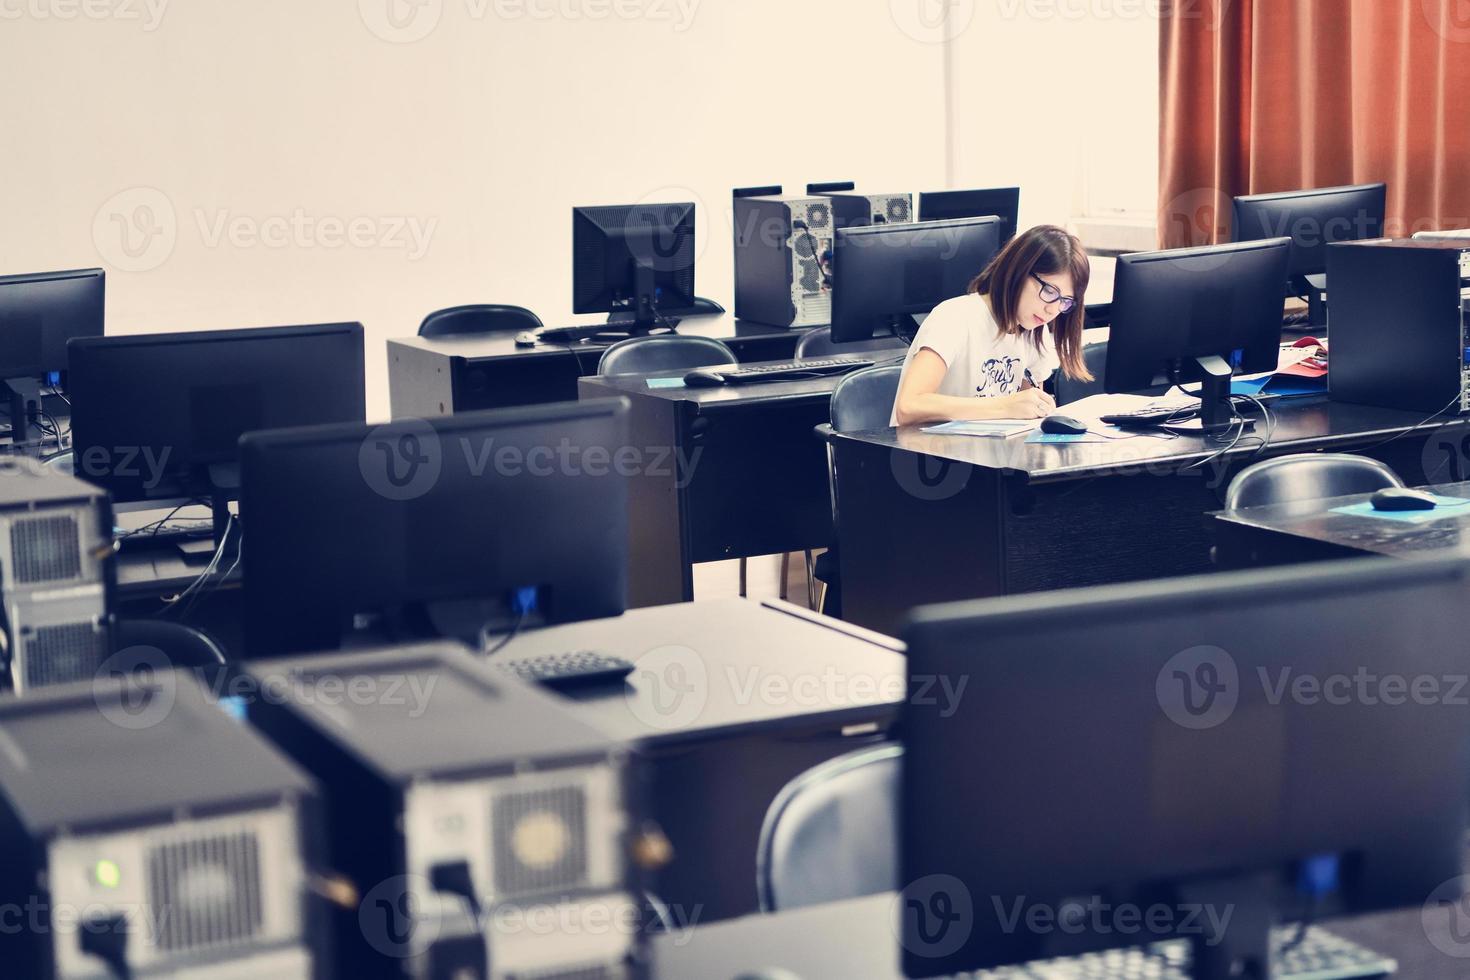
864	399
1305	478
479	318
664	352
818	342
832	832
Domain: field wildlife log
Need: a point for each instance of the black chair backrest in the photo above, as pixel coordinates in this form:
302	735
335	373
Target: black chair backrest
181	645
1095	356
664	352
479	318
817	342
864	399
1306	478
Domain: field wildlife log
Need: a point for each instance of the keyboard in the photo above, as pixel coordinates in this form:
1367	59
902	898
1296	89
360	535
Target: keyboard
564	671
816	367
1155	415
568	335
1320	956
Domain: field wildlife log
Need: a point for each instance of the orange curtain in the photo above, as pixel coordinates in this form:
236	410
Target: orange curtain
1274	95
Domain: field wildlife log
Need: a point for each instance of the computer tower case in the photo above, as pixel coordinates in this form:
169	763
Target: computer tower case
850	210
783	250
56	575
1396	334
148	834
465	805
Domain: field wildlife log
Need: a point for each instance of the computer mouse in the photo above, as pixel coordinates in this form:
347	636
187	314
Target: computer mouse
1063	425
1402	498
526	338
704	378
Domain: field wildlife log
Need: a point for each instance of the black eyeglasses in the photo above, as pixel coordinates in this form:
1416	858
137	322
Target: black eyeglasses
1051	294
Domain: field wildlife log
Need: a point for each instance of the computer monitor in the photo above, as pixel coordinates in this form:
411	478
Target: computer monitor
1237	745
158	417
634	261
1197	314
358	534
39	313
1005	202
1312	219
882	275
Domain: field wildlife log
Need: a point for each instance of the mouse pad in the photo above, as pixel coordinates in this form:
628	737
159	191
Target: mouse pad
1448	507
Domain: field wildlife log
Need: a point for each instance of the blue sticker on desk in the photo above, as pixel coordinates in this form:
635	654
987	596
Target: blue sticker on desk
666	383
1059	439
1448	507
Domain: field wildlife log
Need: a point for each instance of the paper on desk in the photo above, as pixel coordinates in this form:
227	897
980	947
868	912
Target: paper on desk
1094	407
994	428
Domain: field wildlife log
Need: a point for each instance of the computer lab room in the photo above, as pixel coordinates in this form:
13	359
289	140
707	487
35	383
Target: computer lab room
713	490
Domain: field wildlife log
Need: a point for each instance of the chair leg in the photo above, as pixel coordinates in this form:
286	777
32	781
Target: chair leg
811	581
742	578
822	597
785	571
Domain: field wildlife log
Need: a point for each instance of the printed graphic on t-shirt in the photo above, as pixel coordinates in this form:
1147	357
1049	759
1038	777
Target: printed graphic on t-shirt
998	376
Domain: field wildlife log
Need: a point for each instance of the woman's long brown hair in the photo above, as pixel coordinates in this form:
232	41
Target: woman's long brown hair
1043	250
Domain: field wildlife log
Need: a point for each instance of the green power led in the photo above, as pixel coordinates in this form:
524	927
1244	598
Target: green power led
107	874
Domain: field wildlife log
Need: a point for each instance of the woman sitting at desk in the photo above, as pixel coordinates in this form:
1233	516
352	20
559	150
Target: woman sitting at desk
984	355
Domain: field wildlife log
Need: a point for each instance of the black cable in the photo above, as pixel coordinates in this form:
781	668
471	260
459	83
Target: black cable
1399	435
515	628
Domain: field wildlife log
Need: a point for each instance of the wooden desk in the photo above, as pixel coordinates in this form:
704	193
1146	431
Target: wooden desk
928	518
1309	531
731	700
752	481
466	372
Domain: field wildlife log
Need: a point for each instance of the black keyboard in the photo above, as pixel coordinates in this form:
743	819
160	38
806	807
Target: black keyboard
578	668
1321	956
1148	418
816	367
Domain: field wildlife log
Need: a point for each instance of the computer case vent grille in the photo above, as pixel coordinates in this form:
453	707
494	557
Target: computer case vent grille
522	821
45	549
205	892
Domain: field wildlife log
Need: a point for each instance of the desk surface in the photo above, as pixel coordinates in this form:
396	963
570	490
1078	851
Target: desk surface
858	939
722	326
707	668
1313	420
765	391
1448	530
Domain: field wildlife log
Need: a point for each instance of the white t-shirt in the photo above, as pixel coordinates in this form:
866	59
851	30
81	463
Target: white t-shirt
982	361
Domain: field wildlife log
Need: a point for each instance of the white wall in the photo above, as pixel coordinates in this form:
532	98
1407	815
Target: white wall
298	162
1059	97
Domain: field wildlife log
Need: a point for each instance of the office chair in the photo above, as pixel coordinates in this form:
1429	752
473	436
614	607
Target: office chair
1301	481
1095	356
181	645
817	342
1306	478
832	832
671	352
664	352
479	318
862	400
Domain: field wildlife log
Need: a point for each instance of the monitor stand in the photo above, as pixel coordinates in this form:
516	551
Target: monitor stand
1316	289
25	404
1242	949
1216	415
224	486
